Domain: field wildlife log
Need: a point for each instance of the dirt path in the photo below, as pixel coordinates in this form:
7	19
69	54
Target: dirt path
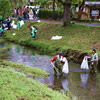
60	22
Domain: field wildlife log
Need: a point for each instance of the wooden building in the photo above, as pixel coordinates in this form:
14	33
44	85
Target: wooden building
91	10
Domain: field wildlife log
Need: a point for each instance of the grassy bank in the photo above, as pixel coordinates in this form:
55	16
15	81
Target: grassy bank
76	37
15	85
33	71
17	82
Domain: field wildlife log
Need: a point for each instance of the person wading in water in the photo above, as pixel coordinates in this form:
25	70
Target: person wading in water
94	61
54	61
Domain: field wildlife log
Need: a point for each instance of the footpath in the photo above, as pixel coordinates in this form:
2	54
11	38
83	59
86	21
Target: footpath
60	22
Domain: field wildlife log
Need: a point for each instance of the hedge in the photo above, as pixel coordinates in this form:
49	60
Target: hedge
49	14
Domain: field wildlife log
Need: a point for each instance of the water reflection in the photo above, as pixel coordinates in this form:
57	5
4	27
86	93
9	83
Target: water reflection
23	57
65	84
92	85
60	83
84	78
80	83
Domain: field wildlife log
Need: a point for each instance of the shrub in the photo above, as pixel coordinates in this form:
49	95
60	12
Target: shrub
5	8
49	14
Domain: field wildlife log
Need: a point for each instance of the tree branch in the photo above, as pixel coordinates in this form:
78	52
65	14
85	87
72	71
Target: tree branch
61	2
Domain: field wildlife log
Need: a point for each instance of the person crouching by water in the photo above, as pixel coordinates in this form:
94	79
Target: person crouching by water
8	22
1	31
94	61
53	62
33	32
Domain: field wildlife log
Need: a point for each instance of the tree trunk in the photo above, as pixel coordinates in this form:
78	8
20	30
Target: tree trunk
53	5
67	11
81	7
15	3
67	14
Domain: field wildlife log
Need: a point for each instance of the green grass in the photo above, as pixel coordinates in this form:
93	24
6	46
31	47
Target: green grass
17	86
34	71
4	53
75	37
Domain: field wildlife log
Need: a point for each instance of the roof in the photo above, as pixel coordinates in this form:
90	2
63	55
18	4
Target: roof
92	3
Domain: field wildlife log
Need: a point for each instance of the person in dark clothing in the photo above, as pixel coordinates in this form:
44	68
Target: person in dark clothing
8	22
4	25
17	11
25	12
34	11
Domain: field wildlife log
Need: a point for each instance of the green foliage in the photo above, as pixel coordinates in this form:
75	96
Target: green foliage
50	14
3	53
16	86
75	37
41	2
5	8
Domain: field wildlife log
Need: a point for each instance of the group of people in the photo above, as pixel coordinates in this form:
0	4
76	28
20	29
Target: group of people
93	60
4	24
27	12
7	24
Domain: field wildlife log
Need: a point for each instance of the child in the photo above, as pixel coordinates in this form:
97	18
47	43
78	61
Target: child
1	30
33	32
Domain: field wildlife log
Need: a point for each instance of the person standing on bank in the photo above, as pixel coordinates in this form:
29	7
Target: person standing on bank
94	61
53	62
33	32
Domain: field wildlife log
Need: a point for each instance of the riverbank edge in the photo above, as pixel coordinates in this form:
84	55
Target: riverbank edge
29	73
72	55
26	87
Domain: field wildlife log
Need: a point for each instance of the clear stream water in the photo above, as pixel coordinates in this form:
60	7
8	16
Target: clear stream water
82	84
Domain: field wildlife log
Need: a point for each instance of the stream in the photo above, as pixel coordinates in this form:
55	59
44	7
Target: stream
80	82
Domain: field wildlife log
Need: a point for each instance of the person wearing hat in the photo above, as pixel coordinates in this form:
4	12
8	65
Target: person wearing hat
1	30
53	62
94	61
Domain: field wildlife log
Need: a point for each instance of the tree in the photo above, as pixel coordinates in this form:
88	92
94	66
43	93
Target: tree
67	11
53	5
80	4
5	8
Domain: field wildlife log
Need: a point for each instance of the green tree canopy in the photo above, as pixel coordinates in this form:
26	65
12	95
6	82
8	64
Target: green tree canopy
4	8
